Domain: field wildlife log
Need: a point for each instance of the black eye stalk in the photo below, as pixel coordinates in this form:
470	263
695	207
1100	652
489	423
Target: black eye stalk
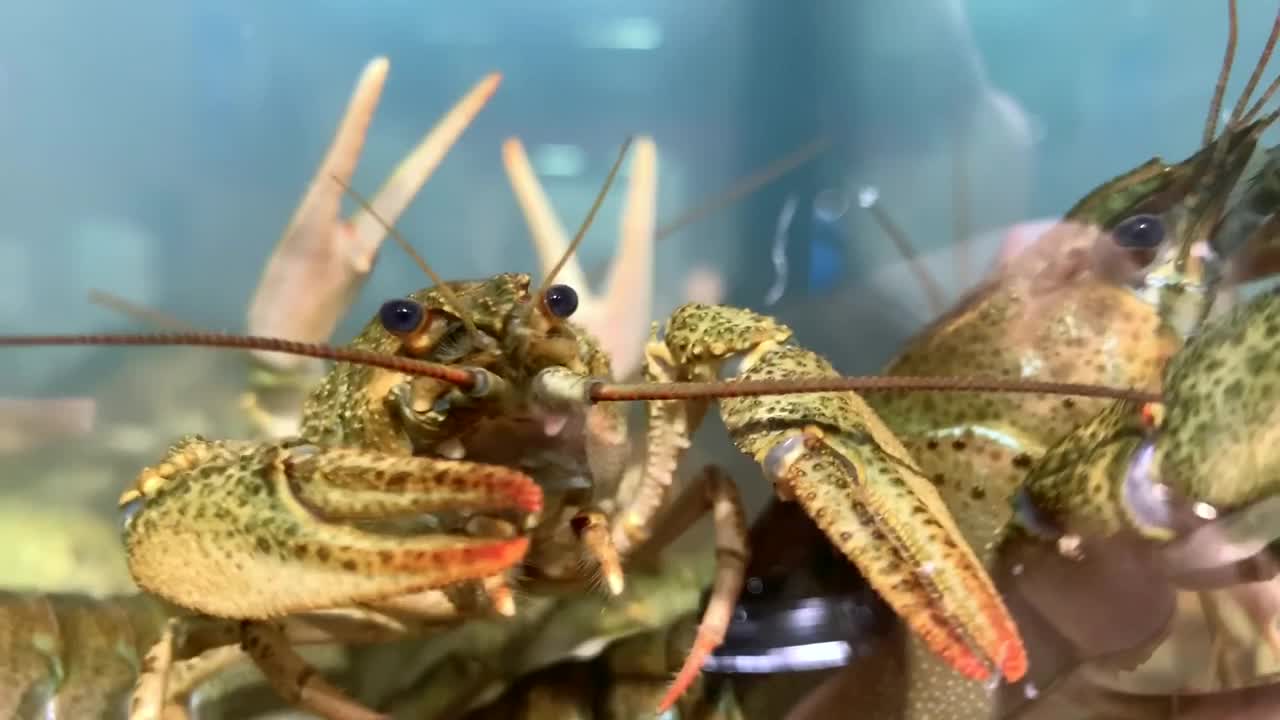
561	301
401	316
1140	232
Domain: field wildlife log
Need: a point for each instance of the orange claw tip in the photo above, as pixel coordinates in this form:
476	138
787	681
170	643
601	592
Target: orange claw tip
1012	665
530	499
1009	655
965	662
1015	662
1006	656
524	493
512	551
490	557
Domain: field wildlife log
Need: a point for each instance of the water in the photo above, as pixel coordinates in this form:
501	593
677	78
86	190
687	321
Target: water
157	151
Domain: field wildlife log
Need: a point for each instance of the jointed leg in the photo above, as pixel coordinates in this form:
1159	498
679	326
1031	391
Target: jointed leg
714	491
193	649
187	675
189	650
151	689
295	680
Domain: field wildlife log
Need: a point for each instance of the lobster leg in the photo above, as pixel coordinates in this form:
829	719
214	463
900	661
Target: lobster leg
295	680
151	690
188	651
191	649
711	491
186	676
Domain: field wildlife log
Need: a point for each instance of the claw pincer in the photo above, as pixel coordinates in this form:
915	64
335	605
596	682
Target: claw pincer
833	454
253	531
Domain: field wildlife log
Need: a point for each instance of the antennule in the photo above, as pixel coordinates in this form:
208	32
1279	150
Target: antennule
591	216
1220	88
744	187
136	311
937	298
408	248
1262	62
1238	113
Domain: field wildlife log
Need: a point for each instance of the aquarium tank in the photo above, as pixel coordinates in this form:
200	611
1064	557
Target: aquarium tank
628	360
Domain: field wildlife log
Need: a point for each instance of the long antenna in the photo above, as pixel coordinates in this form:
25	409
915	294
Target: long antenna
1262	62
147	315
740	189
408	248
409	366
1220	87
961	231
1238	113
744	187
591	216
869	198
615	392
601	391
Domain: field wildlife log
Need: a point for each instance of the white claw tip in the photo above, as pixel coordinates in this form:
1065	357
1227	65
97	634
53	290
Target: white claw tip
616	584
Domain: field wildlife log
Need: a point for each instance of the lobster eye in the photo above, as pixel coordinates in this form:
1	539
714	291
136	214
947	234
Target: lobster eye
561	300
129	510
401	316
1140	232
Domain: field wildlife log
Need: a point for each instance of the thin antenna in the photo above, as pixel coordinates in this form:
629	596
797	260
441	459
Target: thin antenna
740	189
409	366
600	391
744	187
1220	88
961	238
591	216
1220	149
140	312
869	199
1275	82
403	243
1256	75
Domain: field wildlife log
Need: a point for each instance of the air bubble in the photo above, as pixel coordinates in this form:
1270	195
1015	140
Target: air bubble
868	196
